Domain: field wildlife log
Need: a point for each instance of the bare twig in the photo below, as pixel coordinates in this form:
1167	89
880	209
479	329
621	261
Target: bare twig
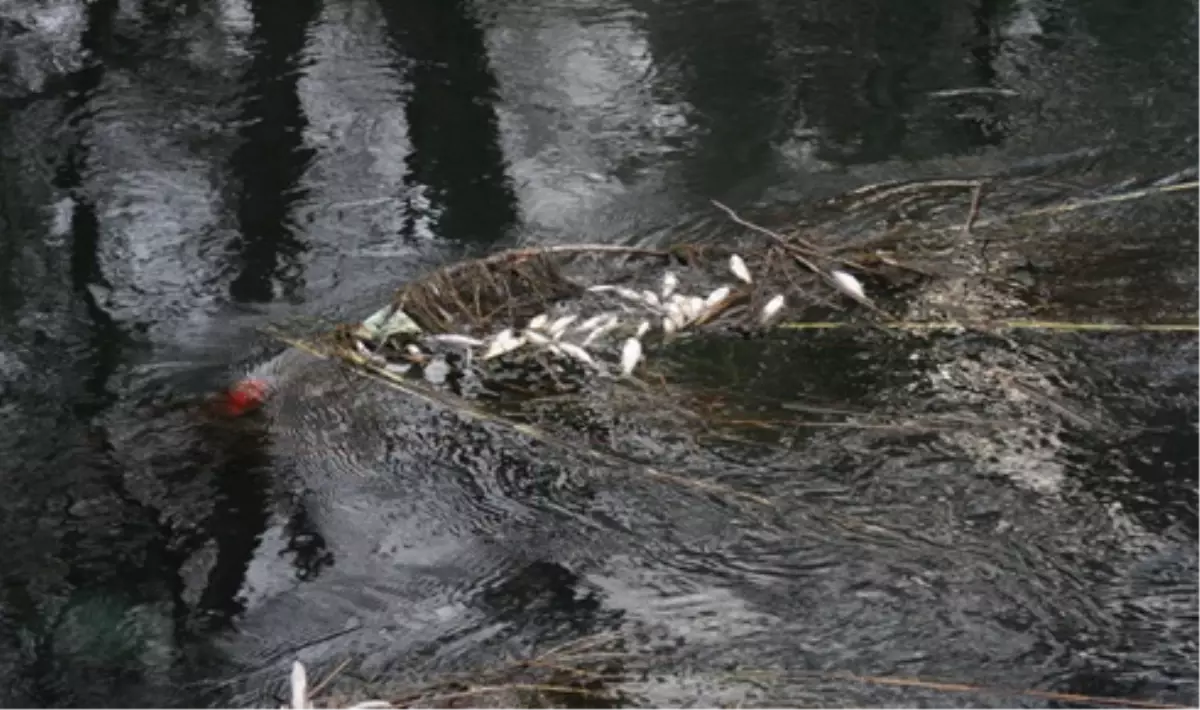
610	459
776	236
950	687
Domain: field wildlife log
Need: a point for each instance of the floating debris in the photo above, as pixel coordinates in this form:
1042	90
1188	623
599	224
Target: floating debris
385	323
669	283
738	267
397	368
847	284
772	309
631	353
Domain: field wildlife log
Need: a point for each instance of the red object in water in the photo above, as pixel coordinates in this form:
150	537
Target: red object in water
245	396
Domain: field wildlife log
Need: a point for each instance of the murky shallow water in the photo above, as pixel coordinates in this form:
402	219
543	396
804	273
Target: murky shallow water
172	177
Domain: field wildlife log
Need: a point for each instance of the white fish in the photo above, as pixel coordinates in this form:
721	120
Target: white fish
677	313
537	322
651	299
503	342
601	331
537	338
772	308
631	353
558	327
362	349
372	705
465	341
848	285
299	686
717	296
629	294
601	288
738	267
643	328
593	322
414	350
693	308
669	283
397	368
668	325
578	353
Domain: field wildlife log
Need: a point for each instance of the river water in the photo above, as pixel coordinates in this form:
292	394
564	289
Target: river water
175	175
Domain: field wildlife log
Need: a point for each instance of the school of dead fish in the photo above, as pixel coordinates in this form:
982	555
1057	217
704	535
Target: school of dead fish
566	336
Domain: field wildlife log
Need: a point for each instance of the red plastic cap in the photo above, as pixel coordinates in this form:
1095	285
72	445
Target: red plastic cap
246	396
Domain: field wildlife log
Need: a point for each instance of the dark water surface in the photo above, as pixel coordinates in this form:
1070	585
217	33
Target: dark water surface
176	174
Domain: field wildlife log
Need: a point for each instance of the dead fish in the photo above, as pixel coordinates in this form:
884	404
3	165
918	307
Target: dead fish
537	322
503	342
299	686
847	284
738	267
631	353
558	327
772	308
669	283
629	294
578	353
643	328
717	297
651	299
465	341
593	322
601	331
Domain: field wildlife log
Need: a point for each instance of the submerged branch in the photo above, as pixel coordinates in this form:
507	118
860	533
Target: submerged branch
367	368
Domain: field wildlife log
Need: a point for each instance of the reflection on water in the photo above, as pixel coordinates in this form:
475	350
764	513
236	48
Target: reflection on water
175	175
